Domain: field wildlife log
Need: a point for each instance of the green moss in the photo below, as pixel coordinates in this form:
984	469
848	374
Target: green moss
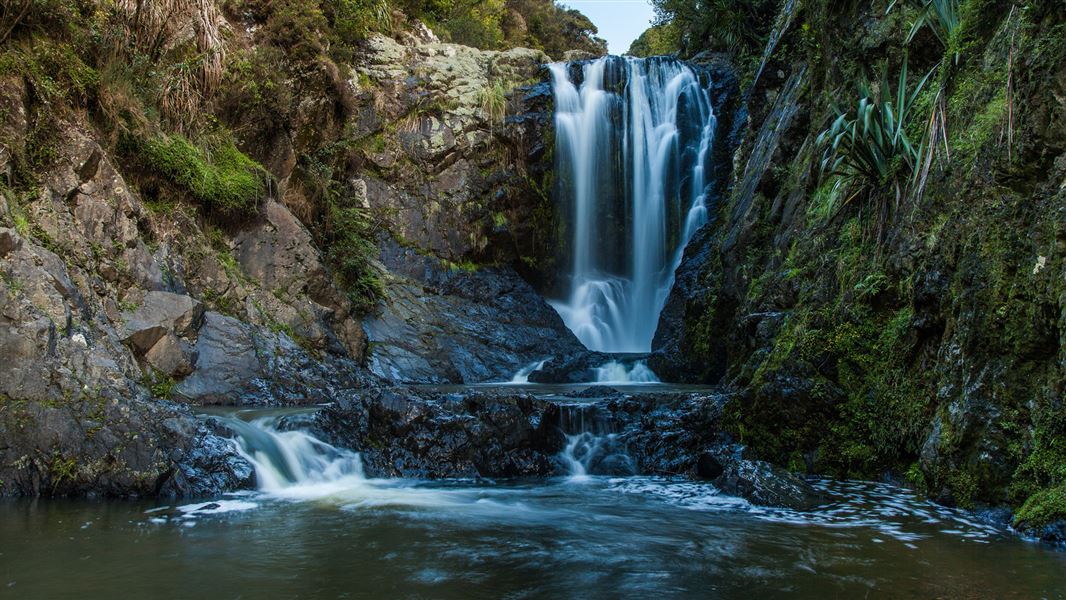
224	254
1044	466
222	303
219	176
1043	508
860	410
466	266
159	384
14	286
62	469
22	224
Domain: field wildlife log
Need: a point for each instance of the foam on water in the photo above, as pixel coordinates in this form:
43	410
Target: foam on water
615	372
294	466
522	376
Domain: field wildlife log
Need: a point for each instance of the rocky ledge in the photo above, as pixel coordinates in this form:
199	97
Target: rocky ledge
107	447
418	433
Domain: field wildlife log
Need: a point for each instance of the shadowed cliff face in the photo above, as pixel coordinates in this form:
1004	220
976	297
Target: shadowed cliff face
453	160
923	340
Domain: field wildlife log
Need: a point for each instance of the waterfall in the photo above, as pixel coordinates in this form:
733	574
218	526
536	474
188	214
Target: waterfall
522	376
293	461
592	445
633	140
617	372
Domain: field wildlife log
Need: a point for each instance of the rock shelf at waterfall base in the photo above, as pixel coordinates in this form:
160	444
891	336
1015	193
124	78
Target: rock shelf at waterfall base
501	433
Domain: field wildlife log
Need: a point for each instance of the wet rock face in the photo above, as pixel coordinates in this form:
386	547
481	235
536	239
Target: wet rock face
445	159
241	364
278	253
450	325
101	447
402	432
931	347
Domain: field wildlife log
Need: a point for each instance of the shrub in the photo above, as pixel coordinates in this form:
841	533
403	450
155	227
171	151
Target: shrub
350	252
657	40
735	26
353	20
870	144
942	17
493	100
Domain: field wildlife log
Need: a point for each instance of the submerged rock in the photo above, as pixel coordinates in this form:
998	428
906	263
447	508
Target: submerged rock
766	485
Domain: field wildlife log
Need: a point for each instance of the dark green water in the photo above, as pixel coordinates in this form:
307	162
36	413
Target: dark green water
597	538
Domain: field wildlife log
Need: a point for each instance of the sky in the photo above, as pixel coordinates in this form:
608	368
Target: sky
619	21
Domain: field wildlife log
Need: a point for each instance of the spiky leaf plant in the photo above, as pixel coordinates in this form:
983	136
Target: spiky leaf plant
942	17
868	147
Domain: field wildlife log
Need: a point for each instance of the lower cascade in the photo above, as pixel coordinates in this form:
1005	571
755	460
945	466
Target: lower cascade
633	168
617	372
592	444
287	460
522	376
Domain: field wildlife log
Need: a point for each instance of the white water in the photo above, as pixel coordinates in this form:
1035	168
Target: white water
617	373
522	376
292	462
580	450
296	466
633	143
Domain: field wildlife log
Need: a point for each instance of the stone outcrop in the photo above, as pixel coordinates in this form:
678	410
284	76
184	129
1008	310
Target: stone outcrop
450	325
113	447
916	336
105	303
403	432
451	138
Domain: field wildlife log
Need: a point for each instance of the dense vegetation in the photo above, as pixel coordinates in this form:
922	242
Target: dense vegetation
494	24
210	115
901	247
687	27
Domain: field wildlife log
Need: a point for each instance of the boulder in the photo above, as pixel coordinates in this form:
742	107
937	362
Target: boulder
450	325
229	362
764	484
10	241
137	448
172	356
159	314
280	255
237	363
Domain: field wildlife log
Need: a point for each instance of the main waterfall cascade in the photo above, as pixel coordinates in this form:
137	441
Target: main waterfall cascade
633	141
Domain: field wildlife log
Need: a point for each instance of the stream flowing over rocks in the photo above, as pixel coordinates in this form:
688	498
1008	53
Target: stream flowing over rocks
492	433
